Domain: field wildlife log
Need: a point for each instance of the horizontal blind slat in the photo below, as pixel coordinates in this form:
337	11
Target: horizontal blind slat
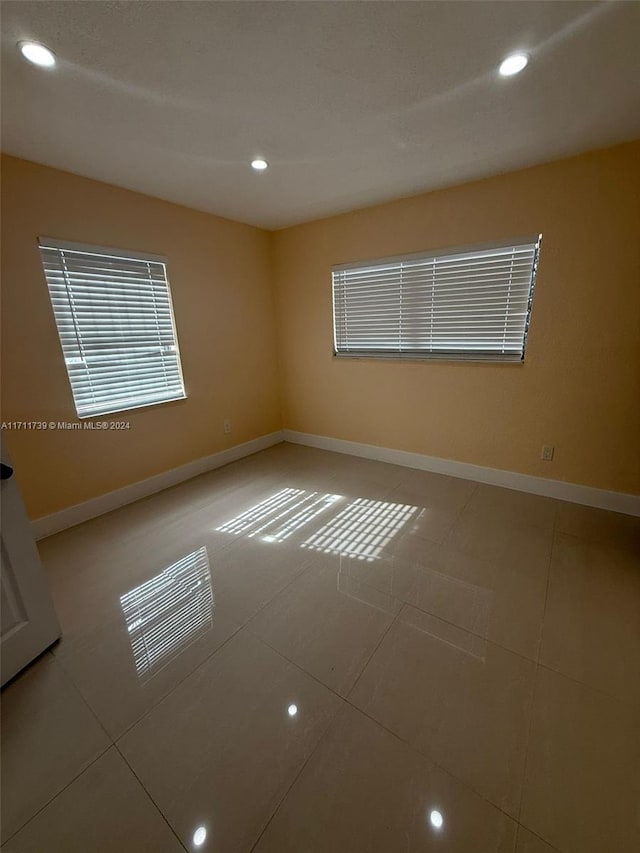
470	301
115	322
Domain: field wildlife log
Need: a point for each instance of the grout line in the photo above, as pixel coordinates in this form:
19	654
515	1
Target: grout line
219	648
515	845
447	536
310	674
599	690
214	652
411	746
346	700
627	703
296	665
525	761
538	836
322	737
307	567
546	595
176	684
54	661
75	687
537	669
404	603
114	742
464	782
57	794
525	758
397	618
378	644
155	805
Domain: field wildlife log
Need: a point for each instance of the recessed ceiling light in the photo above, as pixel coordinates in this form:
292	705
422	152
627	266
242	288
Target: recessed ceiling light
36	53
292	710
513	64
259	164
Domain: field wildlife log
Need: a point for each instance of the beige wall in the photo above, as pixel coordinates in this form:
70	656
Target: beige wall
579	387
220	280
578	390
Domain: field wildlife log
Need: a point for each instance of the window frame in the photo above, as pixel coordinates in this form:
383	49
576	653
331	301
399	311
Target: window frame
449	356
53	243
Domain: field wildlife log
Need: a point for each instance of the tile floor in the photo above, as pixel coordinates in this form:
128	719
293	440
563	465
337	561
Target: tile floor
306	651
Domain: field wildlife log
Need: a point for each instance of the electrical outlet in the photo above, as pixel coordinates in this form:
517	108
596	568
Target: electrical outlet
547	453
227	427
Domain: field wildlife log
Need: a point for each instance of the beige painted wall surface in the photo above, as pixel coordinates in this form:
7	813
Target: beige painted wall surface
223	302
579	388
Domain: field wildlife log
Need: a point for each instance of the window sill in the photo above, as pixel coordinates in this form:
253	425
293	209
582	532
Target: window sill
110	412
451	359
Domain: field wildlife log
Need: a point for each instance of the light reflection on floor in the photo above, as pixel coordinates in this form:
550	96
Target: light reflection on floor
368	595
168	611
362	529
447	633
476	602
280	515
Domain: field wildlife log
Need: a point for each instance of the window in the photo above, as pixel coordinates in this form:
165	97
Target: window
455	304
115	320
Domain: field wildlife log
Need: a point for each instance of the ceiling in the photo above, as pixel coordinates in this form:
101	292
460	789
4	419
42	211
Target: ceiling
351	103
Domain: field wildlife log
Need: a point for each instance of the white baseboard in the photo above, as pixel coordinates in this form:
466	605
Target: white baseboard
573	492
76	514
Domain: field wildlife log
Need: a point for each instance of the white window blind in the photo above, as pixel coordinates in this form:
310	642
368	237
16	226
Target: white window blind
115	320
469	303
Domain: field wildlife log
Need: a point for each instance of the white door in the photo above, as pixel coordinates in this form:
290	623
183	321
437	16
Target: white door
29	622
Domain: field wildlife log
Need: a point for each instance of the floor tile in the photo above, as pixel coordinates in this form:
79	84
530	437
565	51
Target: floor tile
513	507
284	517
461	700
287	458
223	748
501	599
592	621
145	663
354	485
361	527
582	784
249	576
493	539
220	506
497	524
522	574
105	810
367	472
49	736
87	579
193	619
437	499
136	536
447	492
147	519
364	791
599	525
169	623
327	623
